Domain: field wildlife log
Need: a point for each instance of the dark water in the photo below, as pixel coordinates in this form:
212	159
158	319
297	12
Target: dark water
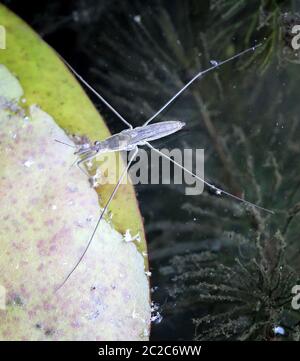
228	268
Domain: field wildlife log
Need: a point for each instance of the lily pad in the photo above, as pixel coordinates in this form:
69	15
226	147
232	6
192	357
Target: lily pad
48	210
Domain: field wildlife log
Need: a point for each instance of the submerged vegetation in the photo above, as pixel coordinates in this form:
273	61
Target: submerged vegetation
270	21
249	298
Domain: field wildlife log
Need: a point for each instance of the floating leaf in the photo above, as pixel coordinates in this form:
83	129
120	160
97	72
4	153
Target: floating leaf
49	210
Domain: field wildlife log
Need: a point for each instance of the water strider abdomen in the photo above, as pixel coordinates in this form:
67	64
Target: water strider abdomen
130	138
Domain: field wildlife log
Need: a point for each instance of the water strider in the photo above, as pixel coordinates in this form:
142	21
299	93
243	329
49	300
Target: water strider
131	138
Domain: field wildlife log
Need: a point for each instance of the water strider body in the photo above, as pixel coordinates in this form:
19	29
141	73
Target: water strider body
131	138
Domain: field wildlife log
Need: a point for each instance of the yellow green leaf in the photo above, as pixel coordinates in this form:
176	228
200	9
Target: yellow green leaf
46	221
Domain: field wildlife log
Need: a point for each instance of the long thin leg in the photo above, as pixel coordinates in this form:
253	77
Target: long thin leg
100	218
216	189
97	94
195	78
78	163
69	145
88	156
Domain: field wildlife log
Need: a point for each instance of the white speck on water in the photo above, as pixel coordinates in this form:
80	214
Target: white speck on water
214	62
54	207
129	238
157	318
26	119
28	163
148	273
76	16
137	19
218	192
278	330
154	306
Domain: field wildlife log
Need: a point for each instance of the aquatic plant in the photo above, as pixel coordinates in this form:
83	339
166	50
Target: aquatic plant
246	22
248	299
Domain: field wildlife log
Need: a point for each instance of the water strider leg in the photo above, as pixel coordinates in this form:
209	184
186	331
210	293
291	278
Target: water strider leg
88	157
216	189
198	75
78	164
82	161
69	145
97	94
100	217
